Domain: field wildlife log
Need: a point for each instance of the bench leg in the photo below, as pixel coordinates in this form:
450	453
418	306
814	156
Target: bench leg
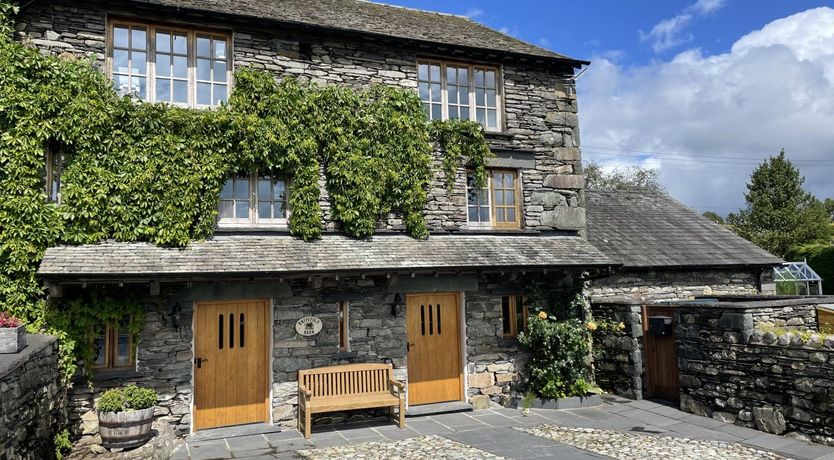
307	432
402	414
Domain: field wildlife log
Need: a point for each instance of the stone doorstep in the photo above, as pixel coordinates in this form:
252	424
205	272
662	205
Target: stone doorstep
438	408
213	434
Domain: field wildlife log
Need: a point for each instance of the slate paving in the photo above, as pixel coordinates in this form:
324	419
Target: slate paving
496	432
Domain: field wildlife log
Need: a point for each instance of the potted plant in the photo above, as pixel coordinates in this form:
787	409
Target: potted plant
125	416
12	334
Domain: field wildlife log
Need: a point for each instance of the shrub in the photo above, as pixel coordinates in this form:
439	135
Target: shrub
62	444
128	398
559	358
7	320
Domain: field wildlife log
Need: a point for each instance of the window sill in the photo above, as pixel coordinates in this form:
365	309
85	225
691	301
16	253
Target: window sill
248	228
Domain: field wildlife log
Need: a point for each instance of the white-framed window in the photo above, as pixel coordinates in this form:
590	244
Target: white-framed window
184	67
498	205
460	91
249	199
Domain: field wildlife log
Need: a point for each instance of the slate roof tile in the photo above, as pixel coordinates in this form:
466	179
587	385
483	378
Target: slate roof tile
372	18
651	229
278	254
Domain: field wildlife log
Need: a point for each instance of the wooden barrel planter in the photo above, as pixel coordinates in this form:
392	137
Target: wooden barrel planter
125	430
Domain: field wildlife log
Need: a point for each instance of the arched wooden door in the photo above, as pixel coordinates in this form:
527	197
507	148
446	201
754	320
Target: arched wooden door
231	363
434	363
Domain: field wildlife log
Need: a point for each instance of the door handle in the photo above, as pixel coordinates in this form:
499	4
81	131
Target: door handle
199	362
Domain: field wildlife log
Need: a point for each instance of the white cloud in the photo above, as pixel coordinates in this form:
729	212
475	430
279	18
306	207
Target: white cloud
474	12
671	32
707	120
511	31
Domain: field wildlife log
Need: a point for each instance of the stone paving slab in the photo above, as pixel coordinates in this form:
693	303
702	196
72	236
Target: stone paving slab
493	431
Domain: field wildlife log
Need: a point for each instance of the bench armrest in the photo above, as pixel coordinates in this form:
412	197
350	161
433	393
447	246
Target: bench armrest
396	383
303	391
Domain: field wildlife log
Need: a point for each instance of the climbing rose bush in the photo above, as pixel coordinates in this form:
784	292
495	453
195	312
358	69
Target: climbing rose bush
559	356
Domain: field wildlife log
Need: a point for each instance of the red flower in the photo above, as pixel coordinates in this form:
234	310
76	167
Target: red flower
7	320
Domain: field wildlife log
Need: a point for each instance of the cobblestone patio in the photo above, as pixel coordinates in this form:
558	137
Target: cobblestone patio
617	429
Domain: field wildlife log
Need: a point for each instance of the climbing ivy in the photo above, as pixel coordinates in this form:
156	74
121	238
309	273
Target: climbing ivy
153	172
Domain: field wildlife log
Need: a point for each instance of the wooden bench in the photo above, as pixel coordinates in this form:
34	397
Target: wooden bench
347	387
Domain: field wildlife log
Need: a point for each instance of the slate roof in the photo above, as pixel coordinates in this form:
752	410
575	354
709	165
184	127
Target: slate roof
371	18
281	254
648	229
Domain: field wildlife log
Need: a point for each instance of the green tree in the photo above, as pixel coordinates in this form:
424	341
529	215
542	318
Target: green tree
780	214
714	217
829	208
632	178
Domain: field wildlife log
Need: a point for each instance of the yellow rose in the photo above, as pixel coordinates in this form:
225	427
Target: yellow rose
621	326
592	326
542	315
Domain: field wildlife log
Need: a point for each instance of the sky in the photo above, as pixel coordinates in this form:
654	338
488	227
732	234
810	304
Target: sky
701	90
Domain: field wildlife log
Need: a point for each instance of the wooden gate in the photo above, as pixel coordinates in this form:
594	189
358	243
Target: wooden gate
660	356
434	364
231	363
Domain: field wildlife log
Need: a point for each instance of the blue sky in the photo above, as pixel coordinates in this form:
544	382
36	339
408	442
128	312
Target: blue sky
702	90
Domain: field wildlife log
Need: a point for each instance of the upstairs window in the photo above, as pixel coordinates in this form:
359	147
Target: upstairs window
251	199
498	205
55	161
178	66
451	91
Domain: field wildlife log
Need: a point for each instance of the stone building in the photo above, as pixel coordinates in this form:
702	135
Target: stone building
225	322
668	251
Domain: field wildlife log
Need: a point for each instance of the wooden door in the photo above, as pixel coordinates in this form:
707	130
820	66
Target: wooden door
660	357
231	363
434	364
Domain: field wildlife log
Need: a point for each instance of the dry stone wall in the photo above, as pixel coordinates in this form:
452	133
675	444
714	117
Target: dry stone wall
31	400
653	285
618	358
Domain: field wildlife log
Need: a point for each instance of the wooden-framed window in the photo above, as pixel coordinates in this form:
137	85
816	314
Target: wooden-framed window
514	315
344	325
184	67
499	204
452	91
113	345
55	161
250	199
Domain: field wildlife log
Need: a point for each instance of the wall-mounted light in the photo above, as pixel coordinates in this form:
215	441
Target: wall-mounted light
397	305
176	313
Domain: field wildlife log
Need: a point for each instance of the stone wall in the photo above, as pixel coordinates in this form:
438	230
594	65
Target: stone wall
31	400
618	361
670	284
733	371
541	132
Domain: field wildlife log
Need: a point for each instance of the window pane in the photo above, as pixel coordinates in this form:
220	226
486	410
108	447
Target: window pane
473	214
463	76
451	75
163	42
453	113
242	209
203	47
499	215
122	84
120	39
427	109
423	72
219	94
180	44
226	209
435	73
490	79
137	63
498	197
163	65
435	92
220	49
203	69
484	214
463	95
436	112
139	88
510	215
278	211
204	93
278	190
423	89
242	188
509	197
479	78
508	180
264	210
519	313
120	61
490	97
464	113
180	67
264	192
481	116
99	343
181	91
453	95
123	342
492	120
138	39
479	96
226	192
506	314
220	71
163	90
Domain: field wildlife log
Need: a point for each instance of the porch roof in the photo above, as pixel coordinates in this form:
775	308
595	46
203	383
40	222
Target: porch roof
245	255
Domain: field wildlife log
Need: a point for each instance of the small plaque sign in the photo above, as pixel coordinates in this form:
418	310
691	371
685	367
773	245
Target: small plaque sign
308	326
